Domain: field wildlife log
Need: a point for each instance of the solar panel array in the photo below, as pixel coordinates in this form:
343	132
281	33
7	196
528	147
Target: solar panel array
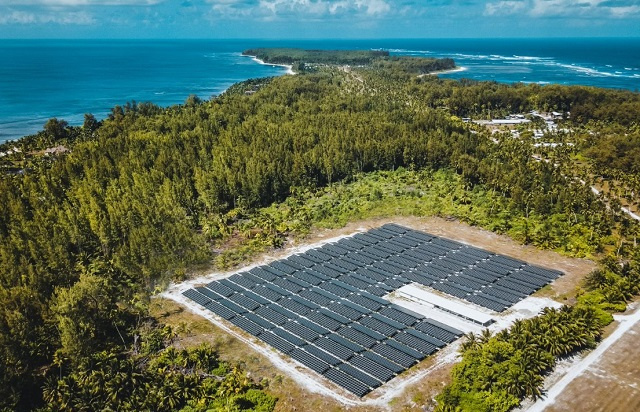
324	308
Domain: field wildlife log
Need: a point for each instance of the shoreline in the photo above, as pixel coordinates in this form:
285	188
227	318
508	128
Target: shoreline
259	61
448	71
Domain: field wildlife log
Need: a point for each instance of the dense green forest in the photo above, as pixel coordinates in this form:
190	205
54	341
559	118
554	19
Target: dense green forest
136	200
290	56
306	60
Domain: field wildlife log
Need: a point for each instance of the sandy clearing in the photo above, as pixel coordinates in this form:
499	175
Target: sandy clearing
430	374
626	322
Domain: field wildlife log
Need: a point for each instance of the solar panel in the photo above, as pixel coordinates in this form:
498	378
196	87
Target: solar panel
303	261
366	302
287	284
309	361
320	330
243	281
292	339
308	278
354	347
345	264
346	311
283	311
447	243
399	316
294	306
404	349
220	310
381	360
231	285
276	341
247	325
334	250
349	383
271	315
327	271
208	293
368	380
323	320
434	323
419	236
263	274
384	234
371	273
406	241
261	300
392	227
334	316
368	331
277	289
489	302
315	253
388	321
334	348
301	331
259	321
232	306
199	298
335	289
372	368
320	354
304	302
547	273
366	238
357	337
282	267
378	326
220	289
378	252
416	343
267	293
394	355
354	281
439	343
376	290
315	297
360	258
244	301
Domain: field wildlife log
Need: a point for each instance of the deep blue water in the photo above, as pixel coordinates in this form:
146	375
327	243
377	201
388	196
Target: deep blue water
40	79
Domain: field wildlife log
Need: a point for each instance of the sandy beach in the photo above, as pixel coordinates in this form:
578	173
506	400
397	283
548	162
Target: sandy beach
454	70
287	66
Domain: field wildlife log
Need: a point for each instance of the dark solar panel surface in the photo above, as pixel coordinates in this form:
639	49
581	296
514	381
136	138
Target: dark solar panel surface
325	307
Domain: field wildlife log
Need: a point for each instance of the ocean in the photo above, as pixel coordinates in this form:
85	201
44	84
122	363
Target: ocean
41	79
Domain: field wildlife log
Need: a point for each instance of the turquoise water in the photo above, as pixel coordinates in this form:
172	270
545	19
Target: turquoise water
40	79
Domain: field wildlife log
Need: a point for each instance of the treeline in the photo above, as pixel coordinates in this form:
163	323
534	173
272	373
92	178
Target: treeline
497	372
292	56
141	196
468	98
414	65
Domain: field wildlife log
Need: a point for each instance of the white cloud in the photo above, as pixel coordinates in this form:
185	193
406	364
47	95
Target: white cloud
626	11
272	9
564	8
72	18
504	8
74	3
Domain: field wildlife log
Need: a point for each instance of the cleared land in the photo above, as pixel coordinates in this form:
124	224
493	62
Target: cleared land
608	379
412	390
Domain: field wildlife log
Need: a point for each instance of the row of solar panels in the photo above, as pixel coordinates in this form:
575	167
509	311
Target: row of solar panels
325	305
383	277
358	356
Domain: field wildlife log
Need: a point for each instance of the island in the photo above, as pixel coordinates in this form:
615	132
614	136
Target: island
301	59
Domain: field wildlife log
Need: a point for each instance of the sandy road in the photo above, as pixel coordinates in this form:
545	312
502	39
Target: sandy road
626	322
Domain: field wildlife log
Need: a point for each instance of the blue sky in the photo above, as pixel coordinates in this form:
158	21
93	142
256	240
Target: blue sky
317	18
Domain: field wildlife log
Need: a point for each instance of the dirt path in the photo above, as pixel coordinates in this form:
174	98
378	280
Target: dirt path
626	322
